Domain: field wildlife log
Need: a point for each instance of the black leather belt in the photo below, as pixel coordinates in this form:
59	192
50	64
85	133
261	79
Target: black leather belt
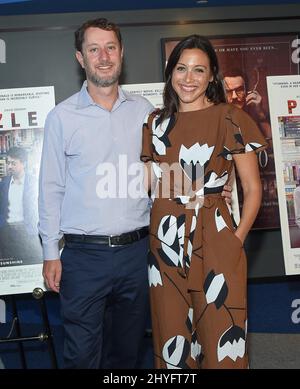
109	240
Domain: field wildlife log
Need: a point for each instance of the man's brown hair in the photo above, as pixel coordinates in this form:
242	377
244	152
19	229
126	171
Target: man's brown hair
101	23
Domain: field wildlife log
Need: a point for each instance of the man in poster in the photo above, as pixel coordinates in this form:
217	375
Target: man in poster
19	242
238	93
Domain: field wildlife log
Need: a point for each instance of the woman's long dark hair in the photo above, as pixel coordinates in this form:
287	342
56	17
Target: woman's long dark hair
214	92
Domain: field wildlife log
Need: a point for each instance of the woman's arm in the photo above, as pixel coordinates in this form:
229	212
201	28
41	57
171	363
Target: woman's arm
247	168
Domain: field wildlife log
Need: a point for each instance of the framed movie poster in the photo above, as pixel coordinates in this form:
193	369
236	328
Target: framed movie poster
23	113
245	62
284	101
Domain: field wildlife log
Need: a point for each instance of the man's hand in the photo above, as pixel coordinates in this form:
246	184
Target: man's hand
254	101
52	274
253	97
227	194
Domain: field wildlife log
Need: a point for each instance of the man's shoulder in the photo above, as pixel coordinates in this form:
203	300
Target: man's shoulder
139	99
4	183
65	105
4	180
71	101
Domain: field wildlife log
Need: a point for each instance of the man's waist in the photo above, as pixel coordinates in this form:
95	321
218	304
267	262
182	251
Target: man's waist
108	240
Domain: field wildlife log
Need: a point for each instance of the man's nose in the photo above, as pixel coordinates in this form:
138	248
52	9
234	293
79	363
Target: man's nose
103	54
234	95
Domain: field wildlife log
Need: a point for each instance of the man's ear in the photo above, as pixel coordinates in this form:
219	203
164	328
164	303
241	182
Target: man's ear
79	58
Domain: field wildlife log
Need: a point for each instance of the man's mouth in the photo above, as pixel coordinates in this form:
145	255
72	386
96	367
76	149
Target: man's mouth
105	66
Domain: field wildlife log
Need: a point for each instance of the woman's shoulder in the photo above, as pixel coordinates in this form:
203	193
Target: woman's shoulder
227	108
152	115
235	112
220	108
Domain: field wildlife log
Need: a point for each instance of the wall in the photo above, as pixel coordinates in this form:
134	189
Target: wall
39	52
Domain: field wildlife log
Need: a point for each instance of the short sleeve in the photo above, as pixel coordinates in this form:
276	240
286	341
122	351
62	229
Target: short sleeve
147	146
241	133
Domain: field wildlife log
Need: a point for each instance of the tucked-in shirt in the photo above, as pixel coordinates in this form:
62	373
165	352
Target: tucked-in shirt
15	201
87	153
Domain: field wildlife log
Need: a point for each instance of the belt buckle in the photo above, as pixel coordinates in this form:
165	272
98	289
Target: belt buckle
110	244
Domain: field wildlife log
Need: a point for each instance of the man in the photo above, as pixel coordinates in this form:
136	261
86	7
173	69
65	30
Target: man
18	212
237	93
102	273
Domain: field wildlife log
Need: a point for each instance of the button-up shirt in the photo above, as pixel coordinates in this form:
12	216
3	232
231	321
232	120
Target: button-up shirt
90	157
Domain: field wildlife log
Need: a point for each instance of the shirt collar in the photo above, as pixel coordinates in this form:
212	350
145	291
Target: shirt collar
85	100
21	181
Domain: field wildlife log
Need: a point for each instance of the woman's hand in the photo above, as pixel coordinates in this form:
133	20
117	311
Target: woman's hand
227	189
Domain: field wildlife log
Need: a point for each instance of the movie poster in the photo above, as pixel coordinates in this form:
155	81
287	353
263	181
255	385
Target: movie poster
22	117
245	62
152	91
284	102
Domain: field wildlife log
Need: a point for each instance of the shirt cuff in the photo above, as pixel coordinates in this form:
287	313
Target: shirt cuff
51	251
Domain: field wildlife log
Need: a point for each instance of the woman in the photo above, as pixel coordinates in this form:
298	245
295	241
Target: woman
197	264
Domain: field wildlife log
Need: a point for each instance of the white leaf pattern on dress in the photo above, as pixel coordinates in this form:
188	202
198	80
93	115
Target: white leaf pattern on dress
158	136
193	159
175	352
171	234
232	343
220	222
196	153
215	288
252	146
